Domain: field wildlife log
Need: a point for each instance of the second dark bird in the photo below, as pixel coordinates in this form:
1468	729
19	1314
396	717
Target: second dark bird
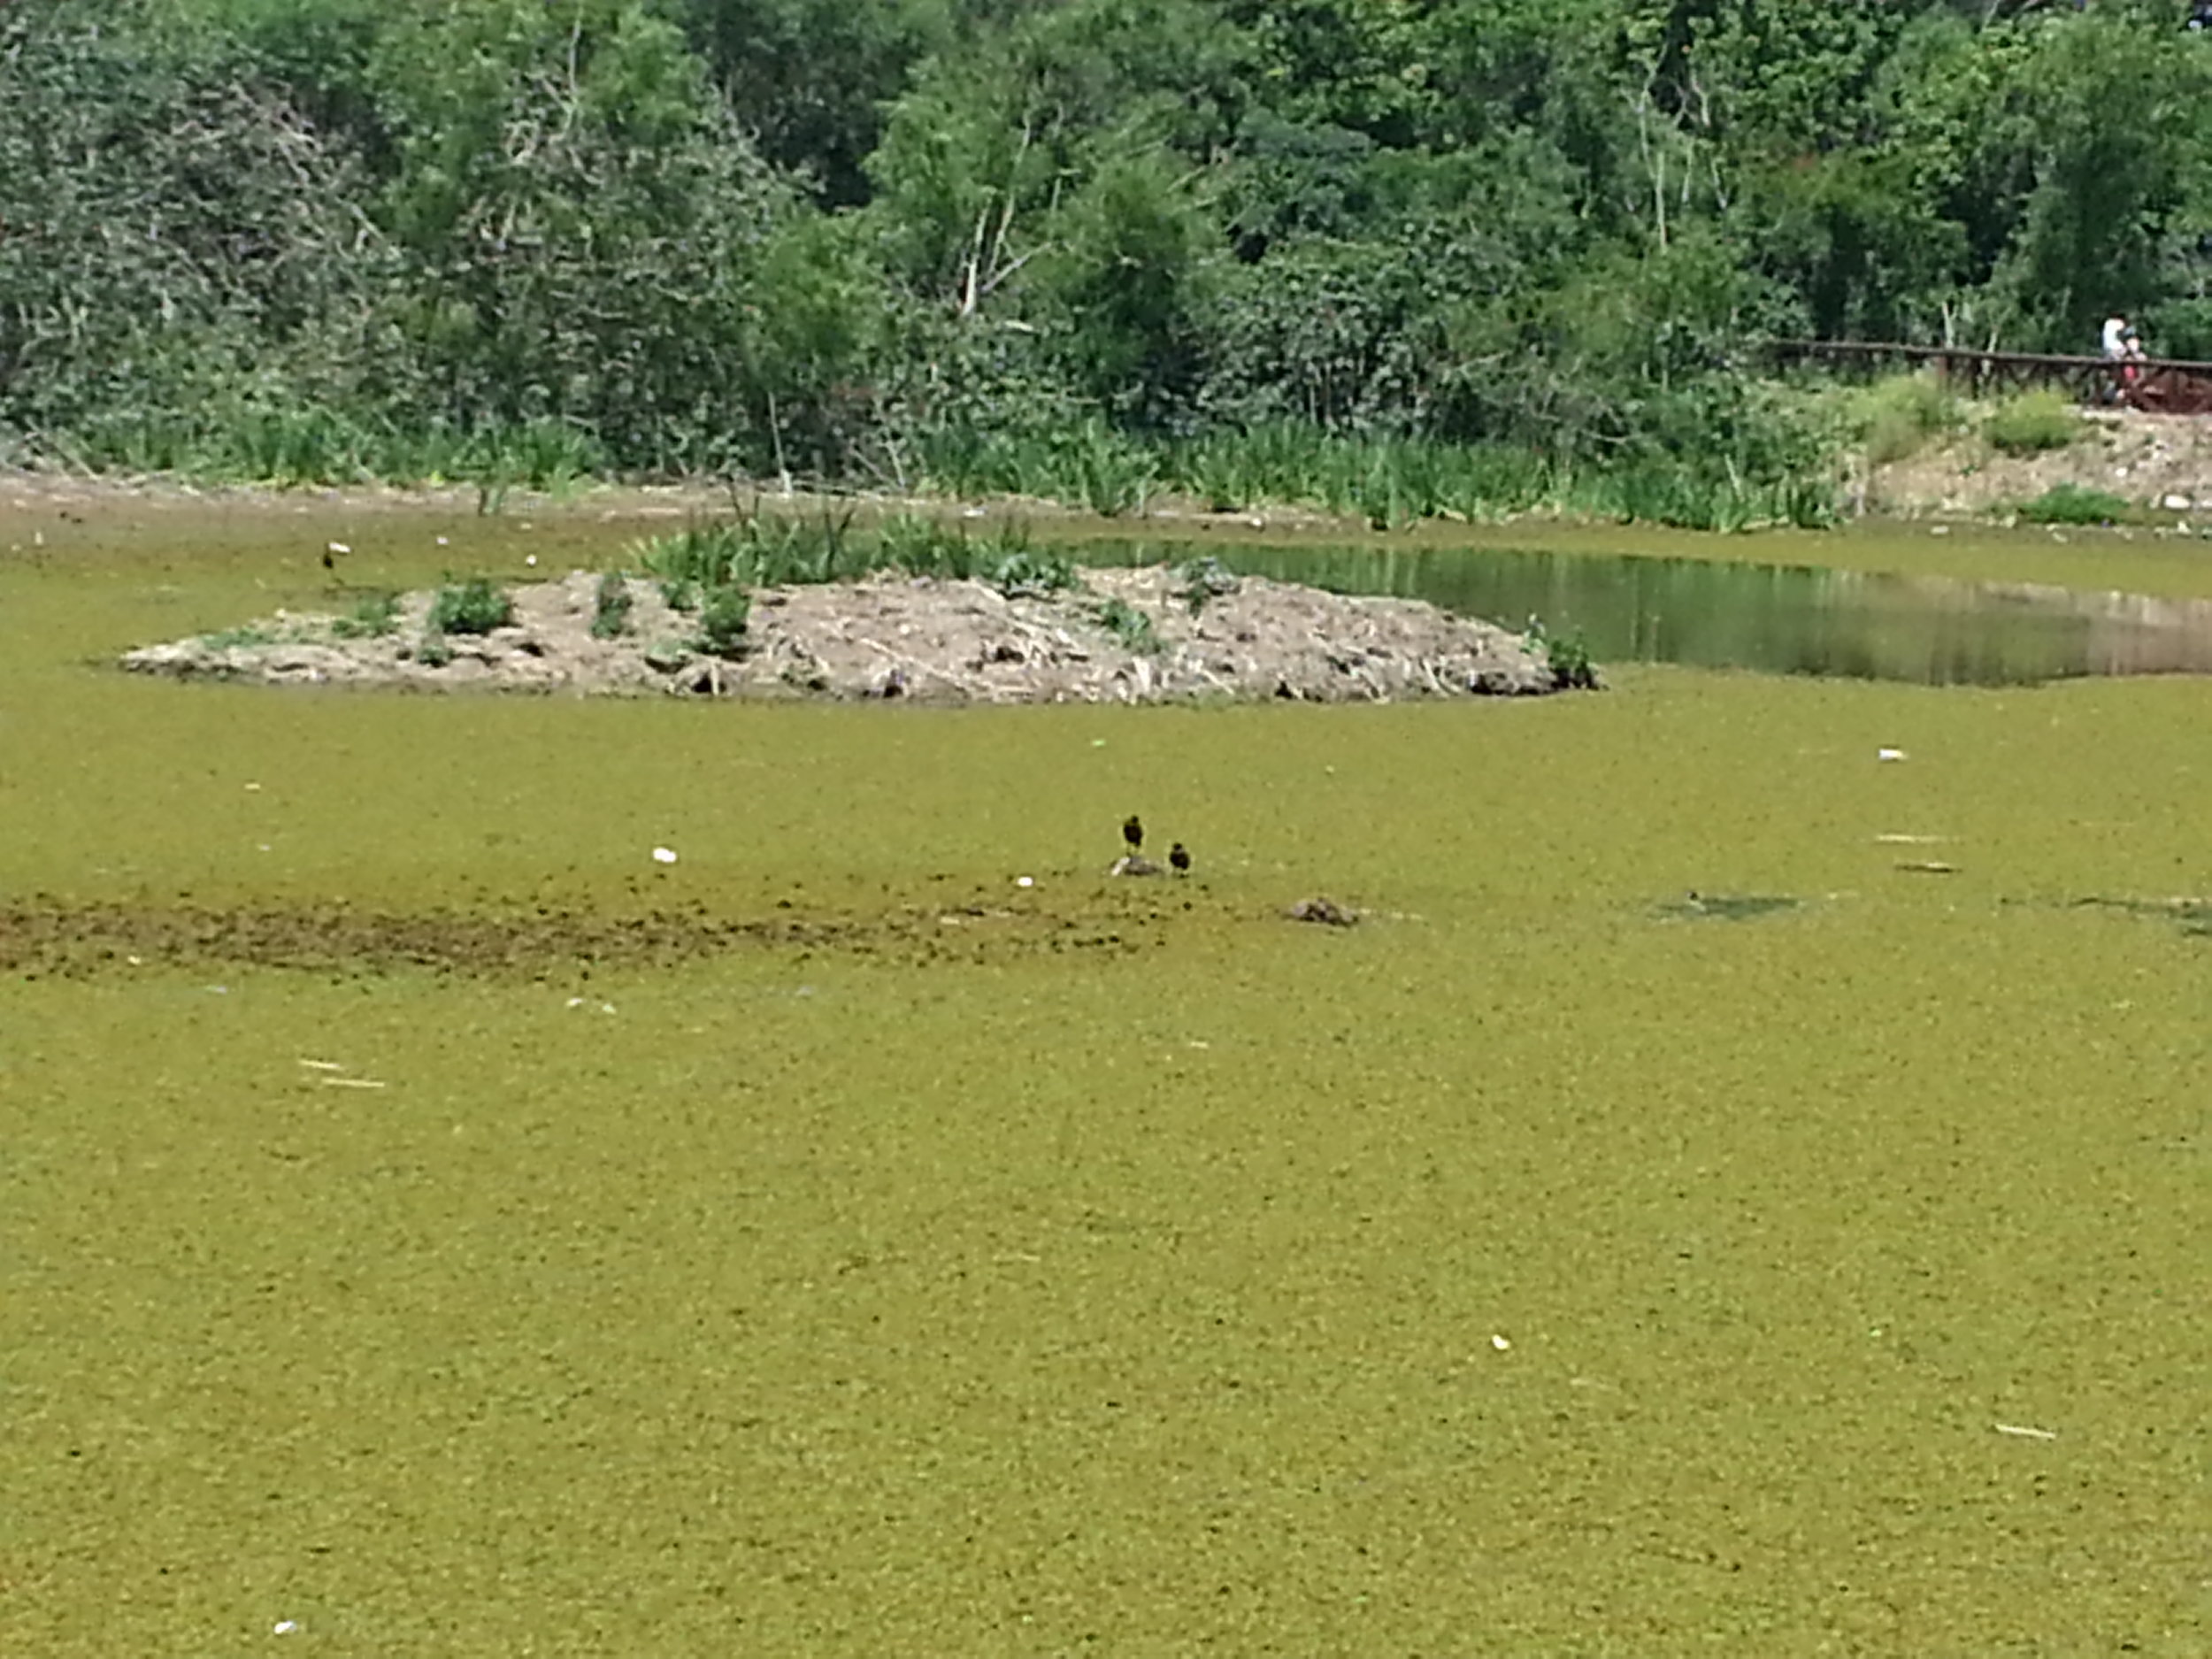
1178	855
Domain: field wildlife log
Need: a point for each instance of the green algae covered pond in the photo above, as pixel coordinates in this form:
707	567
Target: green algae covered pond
1733	1194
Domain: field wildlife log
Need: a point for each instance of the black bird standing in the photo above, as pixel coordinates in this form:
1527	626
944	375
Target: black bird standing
1133	832
1178	855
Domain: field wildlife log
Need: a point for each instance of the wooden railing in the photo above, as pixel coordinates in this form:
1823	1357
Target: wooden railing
2174	385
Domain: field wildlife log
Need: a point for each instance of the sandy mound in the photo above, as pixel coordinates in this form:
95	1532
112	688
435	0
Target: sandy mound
1117	636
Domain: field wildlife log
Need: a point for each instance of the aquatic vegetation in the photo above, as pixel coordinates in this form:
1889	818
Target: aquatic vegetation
476	605
1567	657
1519	1169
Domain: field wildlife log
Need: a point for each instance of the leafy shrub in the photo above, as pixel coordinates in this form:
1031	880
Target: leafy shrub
1132	627
1031	574
372	617
725	618
611	607
1896	415
475	606
1203	581
2071	503
1567	659
2033	422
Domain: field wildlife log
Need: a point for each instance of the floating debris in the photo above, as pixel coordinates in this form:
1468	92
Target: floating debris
1326	912
1927	867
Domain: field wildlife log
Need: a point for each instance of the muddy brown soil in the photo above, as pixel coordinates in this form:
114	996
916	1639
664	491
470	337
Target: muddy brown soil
43	937
1117	636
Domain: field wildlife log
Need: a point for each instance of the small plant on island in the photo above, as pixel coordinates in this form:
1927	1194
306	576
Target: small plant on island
725	618
1132	627
234	639
1567	659
1203	581
1028	572
372	617
475	606
611	607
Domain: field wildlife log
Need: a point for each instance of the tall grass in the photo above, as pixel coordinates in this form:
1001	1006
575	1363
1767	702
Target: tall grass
1390	481
755	549
297	445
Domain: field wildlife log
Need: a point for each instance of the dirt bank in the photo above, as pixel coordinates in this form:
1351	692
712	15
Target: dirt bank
2157	461
1115	636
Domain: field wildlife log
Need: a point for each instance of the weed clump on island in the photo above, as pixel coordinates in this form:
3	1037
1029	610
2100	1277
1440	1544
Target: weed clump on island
476	605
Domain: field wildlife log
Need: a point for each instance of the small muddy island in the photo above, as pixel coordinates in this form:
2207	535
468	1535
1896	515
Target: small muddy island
1161	634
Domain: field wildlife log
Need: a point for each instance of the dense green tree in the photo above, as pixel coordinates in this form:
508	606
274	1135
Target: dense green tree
799	235
173	234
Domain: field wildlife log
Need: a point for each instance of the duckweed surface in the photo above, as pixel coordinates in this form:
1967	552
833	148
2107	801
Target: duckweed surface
429	1222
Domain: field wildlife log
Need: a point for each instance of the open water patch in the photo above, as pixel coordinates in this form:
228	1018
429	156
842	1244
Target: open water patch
1726	907
1773	619
2192	917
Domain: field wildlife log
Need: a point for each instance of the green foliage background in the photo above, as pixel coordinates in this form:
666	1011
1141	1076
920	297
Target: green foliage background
901	239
